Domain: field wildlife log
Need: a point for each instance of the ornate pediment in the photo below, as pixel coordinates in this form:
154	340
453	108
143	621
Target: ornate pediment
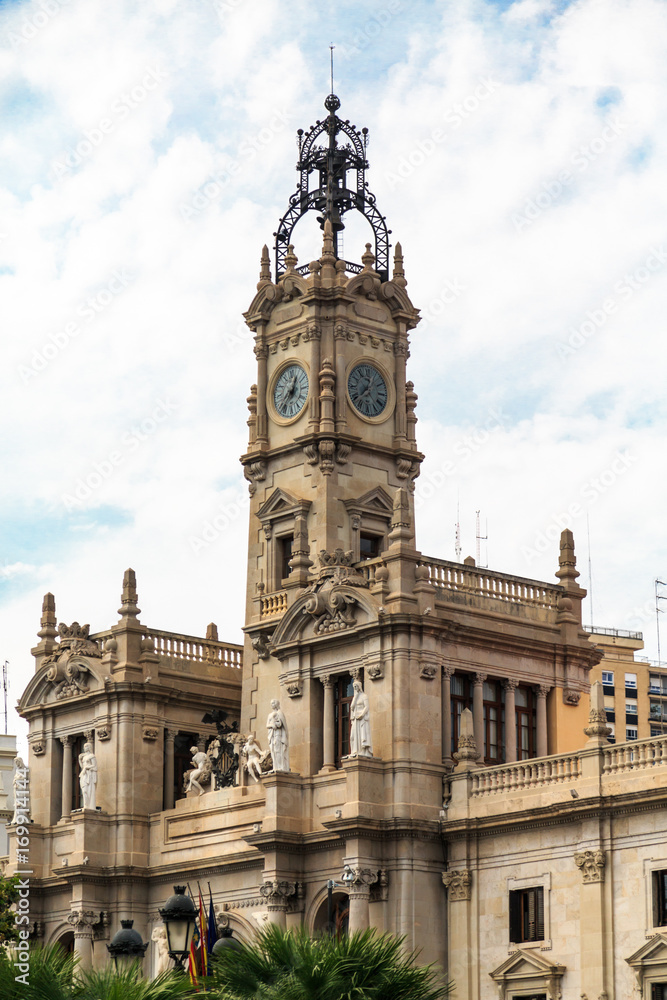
527	969
65	674
376	501
325	607
281	504
653	953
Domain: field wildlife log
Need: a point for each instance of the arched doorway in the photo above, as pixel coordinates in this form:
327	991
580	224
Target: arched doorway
66	942
340	915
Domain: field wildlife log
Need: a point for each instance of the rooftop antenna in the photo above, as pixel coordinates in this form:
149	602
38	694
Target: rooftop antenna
481	538
658	612
457	536
590	571
5	687
332	47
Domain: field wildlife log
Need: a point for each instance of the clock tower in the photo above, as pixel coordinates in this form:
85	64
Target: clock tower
332	455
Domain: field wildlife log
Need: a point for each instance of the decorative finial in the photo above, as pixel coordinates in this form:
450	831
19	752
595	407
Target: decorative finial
368	258
467	753
48	619
265	267
567	561
291	259
328	249
128	608
597	728
399	274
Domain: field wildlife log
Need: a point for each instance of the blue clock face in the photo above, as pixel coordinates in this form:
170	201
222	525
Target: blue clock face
291	391
367	389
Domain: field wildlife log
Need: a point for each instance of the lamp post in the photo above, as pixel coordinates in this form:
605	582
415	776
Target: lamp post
180	919
126	946
226	942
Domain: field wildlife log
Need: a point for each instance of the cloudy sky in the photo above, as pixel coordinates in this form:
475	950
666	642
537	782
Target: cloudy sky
148	151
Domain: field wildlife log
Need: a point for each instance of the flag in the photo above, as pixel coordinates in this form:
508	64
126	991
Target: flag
212	926
203	939
192	958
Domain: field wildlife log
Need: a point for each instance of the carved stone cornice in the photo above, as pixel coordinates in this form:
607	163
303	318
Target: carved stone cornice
591	865
82	922
458	884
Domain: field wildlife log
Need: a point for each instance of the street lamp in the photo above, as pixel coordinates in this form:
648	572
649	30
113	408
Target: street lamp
226	942
126	946
180	919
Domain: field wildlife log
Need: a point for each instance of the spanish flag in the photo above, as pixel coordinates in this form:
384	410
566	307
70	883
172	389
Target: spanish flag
203	950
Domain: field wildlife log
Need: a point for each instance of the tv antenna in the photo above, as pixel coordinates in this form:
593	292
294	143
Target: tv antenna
590	571
5	687
481	538
457	536
658	611
332	47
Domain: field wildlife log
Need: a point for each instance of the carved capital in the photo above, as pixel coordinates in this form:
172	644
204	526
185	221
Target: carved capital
543	690
170	735
359	880
67	741
327	680
479	678
261	352
447	672
591	865
511	684
278	893
458	884
82	922
428	671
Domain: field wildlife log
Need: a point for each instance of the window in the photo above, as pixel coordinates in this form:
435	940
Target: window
630	707
658	991
343	694
660	899
527	914
369	546
612	734
285	546
461	698
657	731
608	677
631	732
524	700
631	680
494	715
77	748
655	711
654	684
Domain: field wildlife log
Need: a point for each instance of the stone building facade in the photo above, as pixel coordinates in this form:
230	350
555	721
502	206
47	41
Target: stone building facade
476	684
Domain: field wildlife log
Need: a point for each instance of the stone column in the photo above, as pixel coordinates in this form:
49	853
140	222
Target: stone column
67	776
262	354
478	713
446	712
359	883
591	864
328	731
460	968
541	720
277	894
82	925
510	720
169	737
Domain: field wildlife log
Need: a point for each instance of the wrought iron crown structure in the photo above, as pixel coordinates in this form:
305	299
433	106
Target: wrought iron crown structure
333	197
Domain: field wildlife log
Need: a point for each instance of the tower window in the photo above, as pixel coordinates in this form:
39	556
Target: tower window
494	717
343	695
285	546
527	914
369	546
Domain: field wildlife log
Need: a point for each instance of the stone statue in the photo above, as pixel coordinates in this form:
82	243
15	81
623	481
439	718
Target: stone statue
360	727
276	725
202	769
88	776
159	935
254	755
21	793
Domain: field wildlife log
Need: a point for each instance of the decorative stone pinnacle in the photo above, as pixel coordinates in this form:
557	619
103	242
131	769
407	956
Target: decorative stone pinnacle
48	620
567	561
597	728
399	274
467	753
368	258
212	632
264	267
291	259
328	249
128	608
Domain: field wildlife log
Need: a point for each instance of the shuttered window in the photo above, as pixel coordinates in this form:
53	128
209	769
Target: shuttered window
658	991
527	915
660	899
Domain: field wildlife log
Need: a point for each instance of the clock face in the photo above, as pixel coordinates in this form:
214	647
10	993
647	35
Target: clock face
367	389
291	391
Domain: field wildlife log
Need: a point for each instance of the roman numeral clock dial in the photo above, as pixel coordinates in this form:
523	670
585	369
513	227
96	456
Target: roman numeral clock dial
290	391
367	390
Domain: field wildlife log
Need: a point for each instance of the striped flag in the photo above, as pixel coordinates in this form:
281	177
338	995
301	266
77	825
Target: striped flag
203	939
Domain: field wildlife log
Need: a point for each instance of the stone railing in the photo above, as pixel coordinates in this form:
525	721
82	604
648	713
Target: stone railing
273	605
177	650
635	755
498	586
526	774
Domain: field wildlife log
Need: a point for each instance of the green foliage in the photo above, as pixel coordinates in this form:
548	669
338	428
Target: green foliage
56	975
293	966
9	894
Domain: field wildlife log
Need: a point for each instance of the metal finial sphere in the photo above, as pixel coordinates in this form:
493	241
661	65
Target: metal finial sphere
332	103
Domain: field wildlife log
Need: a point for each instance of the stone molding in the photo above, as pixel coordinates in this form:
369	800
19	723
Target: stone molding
458	884
591	865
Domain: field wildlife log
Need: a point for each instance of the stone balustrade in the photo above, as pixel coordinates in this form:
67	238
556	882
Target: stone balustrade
526	774
178	651
635	755
273	605
452	576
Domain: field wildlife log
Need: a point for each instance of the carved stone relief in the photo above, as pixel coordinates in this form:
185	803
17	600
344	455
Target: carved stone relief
458	884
